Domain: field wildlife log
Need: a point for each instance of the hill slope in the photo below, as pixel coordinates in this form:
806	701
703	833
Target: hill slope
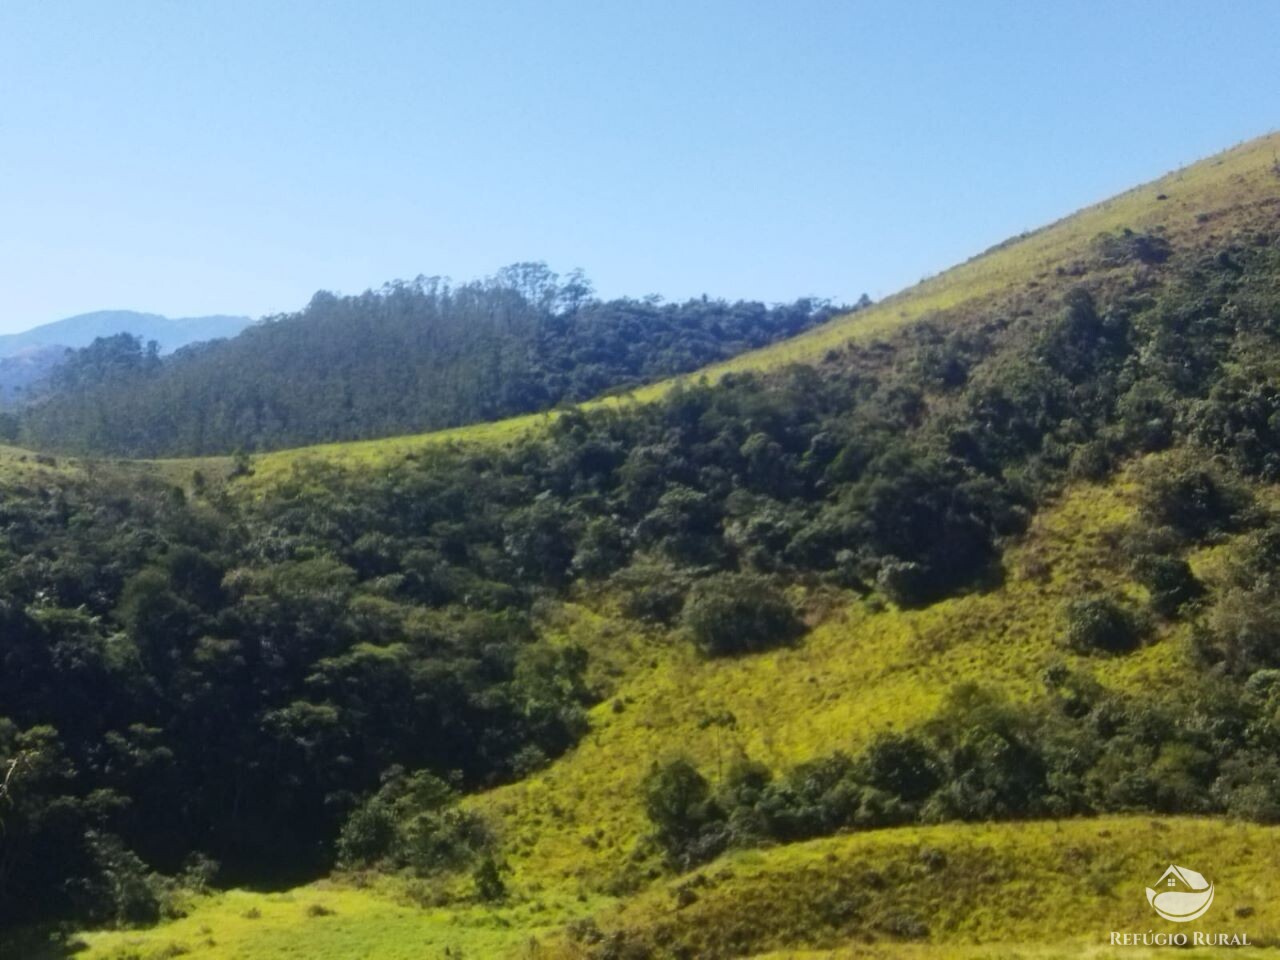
1198	205
408	356
1012	540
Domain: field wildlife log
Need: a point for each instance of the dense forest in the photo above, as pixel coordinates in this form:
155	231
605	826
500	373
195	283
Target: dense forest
311	674
409	357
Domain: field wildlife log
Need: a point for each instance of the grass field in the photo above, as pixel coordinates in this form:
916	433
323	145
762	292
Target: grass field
1045	889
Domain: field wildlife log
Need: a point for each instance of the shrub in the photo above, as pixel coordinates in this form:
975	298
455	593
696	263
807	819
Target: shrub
1100	624
652	592
369	835
490	887
412	821
1194	500
1126	245
733	613
122	891
1169	580
1244	629
902	766
1090	461
687	822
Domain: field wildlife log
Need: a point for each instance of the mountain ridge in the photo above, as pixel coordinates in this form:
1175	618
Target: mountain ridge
172	333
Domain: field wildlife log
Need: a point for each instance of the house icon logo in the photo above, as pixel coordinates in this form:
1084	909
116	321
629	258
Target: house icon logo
1180	895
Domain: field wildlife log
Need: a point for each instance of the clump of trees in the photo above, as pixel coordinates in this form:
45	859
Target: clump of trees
413	821
412	356
739	613
1078	750
269	691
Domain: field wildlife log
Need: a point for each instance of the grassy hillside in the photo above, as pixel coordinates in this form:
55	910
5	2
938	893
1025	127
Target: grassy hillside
570	833
583	878
1198	204
1050	889
862	671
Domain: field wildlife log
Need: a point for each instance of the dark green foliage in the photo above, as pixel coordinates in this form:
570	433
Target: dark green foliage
1195	501
1126	245
1170	581
903	767
652	592
252	675
1077	751
412	821
487	876
678	803
410	357
258	664
1100	625
1242	631
732	613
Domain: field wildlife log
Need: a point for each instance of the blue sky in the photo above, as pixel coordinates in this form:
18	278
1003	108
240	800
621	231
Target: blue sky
193	157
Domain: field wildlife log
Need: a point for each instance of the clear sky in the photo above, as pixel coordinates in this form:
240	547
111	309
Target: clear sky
193	156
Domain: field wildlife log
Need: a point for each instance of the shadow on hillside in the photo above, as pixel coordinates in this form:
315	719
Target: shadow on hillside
45	943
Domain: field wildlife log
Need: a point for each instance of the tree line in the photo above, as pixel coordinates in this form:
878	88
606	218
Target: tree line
412	356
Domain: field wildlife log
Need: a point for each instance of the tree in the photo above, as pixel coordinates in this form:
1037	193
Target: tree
1100	625
732	613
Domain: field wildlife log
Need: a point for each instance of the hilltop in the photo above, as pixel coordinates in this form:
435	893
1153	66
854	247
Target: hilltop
411	355
995	553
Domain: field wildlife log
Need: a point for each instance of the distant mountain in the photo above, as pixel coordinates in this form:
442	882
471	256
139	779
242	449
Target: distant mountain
82	330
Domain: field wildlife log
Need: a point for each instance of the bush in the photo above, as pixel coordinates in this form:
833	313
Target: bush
490	887
122	892
1100	624
1169	580
412	821
1194	500
1244	629
903	767
687	822
1126	246
652	592
1090	462
733	613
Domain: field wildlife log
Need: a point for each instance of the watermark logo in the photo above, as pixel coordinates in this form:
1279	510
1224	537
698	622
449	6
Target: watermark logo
1180	895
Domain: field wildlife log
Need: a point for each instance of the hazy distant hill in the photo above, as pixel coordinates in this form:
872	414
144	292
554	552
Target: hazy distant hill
80	331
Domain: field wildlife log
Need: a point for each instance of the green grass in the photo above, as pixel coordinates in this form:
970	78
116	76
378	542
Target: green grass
958	889
327	921
1037	890
860	672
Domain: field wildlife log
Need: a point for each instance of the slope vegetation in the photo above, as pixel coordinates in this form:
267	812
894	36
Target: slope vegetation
1197	206
415	355
1013	533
